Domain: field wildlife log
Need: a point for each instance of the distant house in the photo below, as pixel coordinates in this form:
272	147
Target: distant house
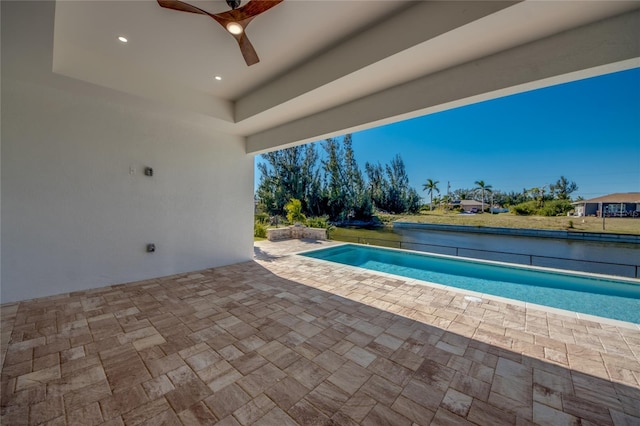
626	204
471	206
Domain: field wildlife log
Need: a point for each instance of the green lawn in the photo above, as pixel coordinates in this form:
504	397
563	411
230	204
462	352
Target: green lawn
508	220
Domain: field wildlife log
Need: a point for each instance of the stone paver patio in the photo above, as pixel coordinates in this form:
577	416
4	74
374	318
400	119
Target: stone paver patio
287	340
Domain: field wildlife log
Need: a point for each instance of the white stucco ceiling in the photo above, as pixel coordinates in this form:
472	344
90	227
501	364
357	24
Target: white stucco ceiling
314	55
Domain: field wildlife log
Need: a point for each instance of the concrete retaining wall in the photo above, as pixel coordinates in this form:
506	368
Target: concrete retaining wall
540	233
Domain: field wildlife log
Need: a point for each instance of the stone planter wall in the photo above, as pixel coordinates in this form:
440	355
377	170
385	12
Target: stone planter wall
296	232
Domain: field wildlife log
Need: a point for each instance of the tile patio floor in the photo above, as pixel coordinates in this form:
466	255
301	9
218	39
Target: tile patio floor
287	340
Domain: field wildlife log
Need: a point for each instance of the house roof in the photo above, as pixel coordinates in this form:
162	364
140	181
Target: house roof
623	197
470	203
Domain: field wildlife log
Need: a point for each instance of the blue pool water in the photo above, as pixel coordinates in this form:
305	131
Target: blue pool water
599	296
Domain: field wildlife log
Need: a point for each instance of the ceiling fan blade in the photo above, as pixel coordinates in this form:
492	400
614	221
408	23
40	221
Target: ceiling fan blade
256	7
248	52
182	7
243	15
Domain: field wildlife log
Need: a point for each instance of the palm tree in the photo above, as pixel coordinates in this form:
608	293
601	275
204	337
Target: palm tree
483	187
431	186
446	200
437	200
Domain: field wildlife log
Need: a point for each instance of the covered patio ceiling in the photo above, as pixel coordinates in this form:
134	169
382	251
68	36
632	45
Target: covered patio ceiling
330	67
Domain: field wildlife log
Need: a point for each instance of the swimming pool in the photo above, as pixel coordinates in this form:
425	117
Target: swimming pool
589	294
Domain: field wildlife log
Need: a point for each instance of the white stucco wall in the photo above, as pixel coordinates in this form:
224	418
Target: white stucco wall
74	216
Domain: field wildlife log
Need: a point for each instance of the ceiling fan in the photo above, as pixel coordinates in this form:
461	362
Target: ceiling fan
235	21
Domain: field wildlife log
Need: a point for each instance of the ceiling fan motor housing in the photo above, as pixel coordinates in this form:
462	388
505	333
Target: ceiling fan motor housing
234	4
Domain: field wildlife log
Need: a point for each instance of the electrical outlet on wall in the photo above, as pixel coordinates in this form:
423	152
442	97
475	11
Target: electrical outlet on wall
132	170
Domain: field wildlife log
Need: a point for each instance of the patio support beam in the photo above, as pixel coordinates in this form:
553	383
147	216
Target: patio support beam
425	19
606	46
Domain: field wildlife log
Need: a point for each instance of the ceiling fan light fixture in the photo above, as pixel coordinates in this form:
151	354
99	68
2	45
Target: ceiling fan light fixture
234	28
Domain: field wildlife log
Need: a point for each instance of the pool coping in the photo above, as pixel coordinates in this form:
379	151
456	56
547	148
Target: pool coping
485	296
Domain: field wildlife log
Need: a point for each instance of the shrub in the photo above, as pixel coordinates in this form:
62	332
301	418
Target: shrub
549	208
555	208
294	211
262	218
386	218
317	222
259	230
321	222
330	230
524	209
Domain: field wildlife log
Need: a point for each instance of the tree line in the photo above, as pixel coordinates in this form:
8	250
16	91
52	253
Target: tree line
332	184
546	200
328	182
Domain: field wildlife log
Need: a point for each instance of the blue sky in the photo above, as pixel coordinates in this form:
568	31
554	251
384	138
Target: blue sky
587	130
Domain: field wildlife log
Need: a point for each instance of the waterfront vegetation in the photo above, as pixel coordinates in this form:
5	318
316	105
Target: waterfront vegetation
503	220
328	182
262	221
325	187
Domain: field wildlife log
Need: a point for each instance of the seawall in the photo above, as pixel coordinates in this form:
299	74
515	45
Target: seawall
520	232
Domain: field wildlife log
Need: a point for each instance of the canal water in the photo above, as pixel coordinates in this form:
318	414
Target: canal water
621	259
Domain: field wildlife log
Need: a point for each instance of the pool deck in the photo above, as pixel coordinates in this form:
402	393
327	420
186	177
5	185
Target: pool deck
286	339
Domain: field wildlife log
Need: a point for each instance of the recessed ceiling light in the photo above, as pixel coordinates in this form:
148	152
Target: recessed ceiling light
123	39
217	77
